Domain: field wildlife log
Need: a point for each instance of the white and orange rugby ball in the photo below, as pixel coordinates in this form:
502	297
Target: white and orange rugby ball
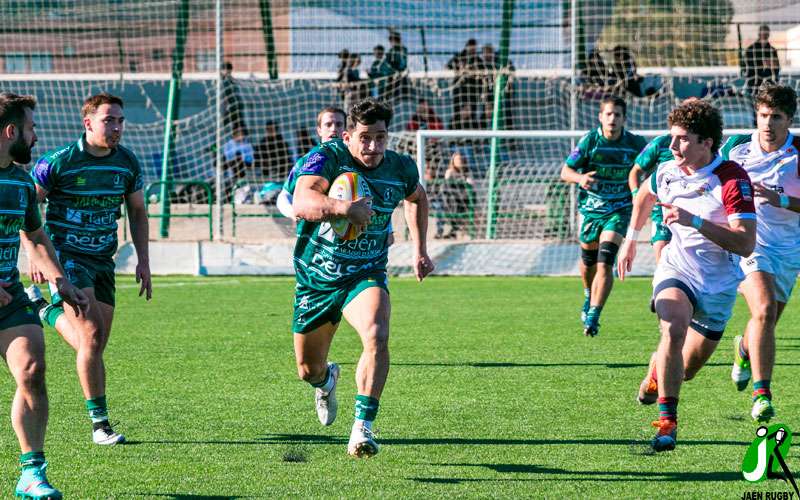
349	186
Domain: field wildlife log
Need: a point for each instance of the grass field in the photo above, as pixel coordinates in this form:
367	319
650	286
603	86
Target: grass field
493	392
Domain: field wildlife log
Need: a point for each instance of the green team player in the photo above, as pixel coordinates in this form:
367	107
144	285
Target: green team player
338	278
330	125
600	165
85	184
656	152
21	337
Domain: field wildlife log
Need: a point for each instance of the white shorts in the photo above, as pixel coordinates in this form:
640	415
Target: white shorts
711	310
783	268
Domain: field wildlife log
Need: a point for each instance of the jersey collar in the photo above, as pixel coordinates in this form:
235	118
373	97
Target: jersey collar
82	148
707	170
760	153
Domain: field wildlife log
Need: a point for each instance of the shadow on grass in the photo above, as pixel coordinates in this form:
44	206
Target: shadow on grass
320	439
178	496
557	474
502	364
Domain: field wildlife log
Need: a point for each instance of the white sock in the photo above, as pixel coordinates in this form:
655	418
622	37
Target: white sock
328	385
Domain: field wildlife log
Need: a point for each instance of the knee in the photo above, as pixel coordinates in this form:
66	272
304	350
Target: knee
31	375
674	335
377	340
766	312
607	253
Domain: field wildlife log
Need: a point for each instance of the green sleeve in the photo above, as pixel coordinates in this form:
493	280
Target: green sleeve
578	159
321	161
648	158
731	143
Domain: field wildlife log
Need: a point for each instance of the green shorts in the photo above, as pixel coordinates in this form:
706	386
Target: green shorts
660	231
20	311
313	308
593	225
89	272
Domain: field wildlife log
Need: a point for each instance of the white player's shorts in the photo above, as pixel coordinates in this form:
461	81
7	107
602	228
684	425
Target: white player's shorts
711	310
782	267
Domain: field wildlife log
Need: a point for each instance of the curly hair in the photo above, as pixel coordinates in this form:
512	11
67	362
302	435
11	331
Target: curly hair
698	117
778	97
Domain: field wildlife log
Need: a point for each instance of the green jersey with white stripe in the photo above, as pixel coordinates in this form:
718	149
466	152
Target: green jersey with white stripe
612	162
18	212
324	261
85	195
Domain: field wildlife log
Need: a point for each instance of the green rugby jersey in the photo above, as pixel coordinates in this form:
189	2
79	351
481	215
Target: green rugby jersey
612	161
18	212
732	142
655	153
322	260
85	193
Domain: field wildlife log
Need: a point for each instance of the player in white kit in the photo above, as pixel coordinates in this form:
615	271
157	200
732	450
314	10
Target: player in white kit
770	157
708	206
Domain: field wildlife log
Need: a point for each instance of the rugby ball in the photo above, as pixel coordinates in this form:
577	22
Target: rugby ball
349	186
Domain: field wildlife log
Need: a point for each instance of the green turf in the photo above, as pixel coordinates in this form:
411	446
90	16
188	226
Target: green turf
493	392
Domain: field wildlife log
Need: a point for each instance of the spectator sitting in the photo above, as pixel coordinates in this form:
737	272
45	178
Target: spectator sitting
272	156
424	118
238	154
760	63
454	193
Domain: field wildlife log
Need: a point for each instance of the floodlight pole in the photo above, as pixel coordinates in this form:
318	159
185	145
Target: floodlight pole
497	112
173	106
218	227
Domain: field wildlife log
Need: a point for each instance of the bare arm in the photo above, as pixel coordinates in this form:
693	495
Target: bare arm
140	233
642	206
416	212
42	254
312	203
738	237
635	177
774	198
569	174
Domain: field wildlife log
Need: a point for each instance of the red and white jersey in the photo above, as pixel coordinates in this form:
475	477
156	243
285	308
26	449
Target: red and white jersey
719	192
778	228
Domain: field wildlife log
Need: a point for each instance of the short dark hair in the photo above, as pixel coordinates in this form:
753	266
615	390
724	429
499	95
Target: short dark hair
698	117
369	111
330	109
616	101
12	108
776	96
379	47
91	104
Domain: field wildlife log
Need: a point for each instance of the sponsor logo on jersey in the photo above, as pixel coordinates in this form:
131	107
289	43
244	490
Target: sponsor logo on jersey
74	216
703	189
746	189
314	164
117	180
80	181
11	224
575	155
23	198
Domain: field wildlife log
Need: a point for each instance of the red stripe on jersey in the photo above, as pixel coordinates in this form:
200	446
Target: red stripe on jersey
737	191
